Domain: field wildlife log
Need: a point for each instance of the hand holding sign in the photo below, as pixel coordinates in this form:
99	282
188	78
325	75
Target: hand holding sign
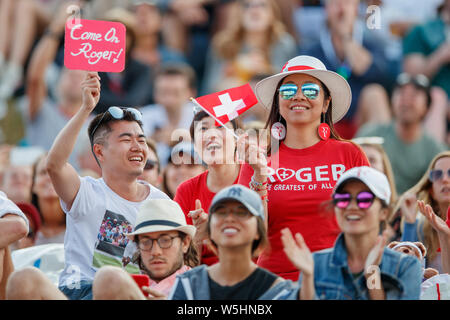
91	91
95	46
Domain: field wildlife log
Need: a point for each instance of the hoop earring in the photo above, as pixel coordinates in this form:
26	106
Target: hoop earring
324	129
278	130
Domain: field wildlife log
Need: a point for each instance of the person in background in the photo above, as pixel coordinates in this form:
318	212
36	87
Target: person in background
129	88
17	181
152	168
149	48
46	200
165	250
378	159
174	85
21	24
183	164
433	189
255	41
408	146
346	46
217	149
358	266
44	114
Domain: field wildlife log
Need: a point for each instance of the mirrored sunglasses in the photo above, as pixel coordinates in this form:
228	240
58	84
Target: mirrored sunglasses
309	90
438	174
364	199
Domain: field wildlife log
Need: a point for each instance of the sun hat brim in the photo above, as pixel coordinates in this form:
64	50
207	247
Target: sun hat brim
189	230
341	94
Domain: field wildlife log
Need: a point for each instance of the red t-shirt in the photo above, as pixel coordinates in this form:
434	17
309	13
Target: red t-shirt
187	193
302	181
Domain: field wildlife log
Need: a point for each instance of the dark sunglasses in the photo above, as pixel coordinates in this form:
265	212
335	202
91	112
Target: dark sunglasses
118	113
289	90
150	164
437	174
364	199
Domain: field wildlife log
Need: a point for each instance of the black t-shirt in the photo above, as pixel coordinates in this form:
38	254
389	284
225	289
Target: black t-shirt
251	288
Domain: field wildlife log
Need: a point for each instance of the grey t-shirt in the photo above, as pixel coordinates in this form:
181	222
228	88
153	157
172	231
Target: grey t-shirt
409	161
43	129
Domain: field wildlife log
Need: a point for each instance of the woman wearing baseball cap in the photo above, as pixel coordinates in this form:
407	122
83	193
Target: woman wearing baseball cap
236	230
359	266
306	155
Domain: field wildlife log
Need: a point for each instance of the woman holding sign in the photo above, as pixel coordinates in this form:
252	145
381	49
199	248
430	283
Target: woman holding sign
306	158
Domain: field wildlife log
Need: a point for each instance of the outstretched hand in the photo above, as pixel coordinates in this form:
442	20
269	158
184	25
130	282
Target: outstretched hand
297	251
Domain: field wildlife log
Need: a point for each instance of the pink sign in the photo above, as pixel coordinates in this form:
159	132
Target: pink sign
93	45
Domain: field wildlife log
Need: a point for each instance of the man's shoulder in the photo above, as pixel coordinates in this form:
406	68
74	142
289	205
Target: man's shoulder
375	129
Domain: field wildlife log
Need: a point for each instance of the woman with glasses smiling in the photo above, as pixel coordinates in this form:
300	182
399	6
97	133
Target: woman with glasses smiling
306	156
359	266
433	189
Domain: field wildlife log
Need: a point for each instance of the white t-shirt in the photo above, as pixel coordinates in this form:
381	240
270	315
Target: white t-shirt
9	207
92	237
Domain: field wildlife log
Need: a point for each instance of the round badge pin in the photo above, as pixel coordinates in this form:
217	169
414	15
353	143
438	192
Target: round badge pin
278	131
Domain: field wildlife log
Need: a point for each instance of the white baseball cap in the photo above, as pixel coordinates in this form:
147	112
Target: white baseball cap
156	215
341	94
375	180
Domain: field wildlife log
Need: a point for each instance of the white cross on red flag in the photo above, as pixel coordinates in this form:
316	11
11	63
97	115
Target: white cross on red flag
228	104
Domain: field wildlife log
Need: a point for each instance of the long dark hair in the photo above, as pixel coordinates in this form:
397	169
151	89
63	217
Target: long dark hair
275	116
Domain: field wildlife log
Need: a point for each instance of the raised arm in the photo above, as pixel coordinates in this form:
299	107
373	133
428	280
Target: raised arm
64	177
41	58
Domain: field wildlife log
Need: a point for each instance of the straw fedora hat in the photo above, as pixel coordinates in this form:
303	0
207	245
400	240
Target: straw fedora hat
156	215
341	94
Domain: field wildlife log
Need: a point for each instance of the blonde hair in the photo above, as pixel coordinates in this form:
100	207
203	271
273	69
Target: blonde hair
422	190
387	171
229	41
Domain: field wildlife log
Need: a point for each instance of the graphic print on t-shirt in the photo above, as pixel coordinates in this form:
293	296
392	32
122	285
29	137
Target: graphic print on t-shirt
111	242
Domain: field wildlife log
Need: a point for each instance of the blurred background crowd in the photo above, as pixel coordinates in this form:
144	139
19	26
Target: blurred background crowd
177	49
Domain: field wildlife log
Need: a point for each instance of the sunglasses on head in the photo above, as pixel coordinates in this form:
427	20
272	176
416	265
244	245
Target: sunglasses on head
118	113
438	174
150	164
364	199
309	90
418	80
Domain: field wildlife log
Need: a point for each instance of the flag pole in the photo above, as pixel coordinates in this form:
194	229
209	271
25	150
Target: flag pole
220	122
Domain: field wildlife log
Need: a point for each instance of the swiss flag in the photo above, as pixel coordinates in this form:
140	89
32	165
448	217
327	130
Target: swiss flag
228	104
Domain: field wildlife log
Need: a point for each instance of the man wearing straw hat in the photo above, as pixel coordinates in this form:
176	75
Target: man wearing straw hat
165	250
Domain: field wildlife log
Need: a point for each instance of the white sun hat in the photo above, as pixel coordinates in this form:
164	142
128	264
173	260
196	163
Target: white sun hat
341	94
156	215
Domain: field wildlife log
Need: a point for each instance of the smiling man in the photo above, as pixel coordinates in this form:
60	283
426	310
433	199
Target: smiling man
165	250
99	211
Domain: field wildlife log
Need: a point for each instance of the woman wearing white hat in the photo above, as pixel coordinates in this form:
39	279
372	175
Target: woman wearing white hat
359	266
306	158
